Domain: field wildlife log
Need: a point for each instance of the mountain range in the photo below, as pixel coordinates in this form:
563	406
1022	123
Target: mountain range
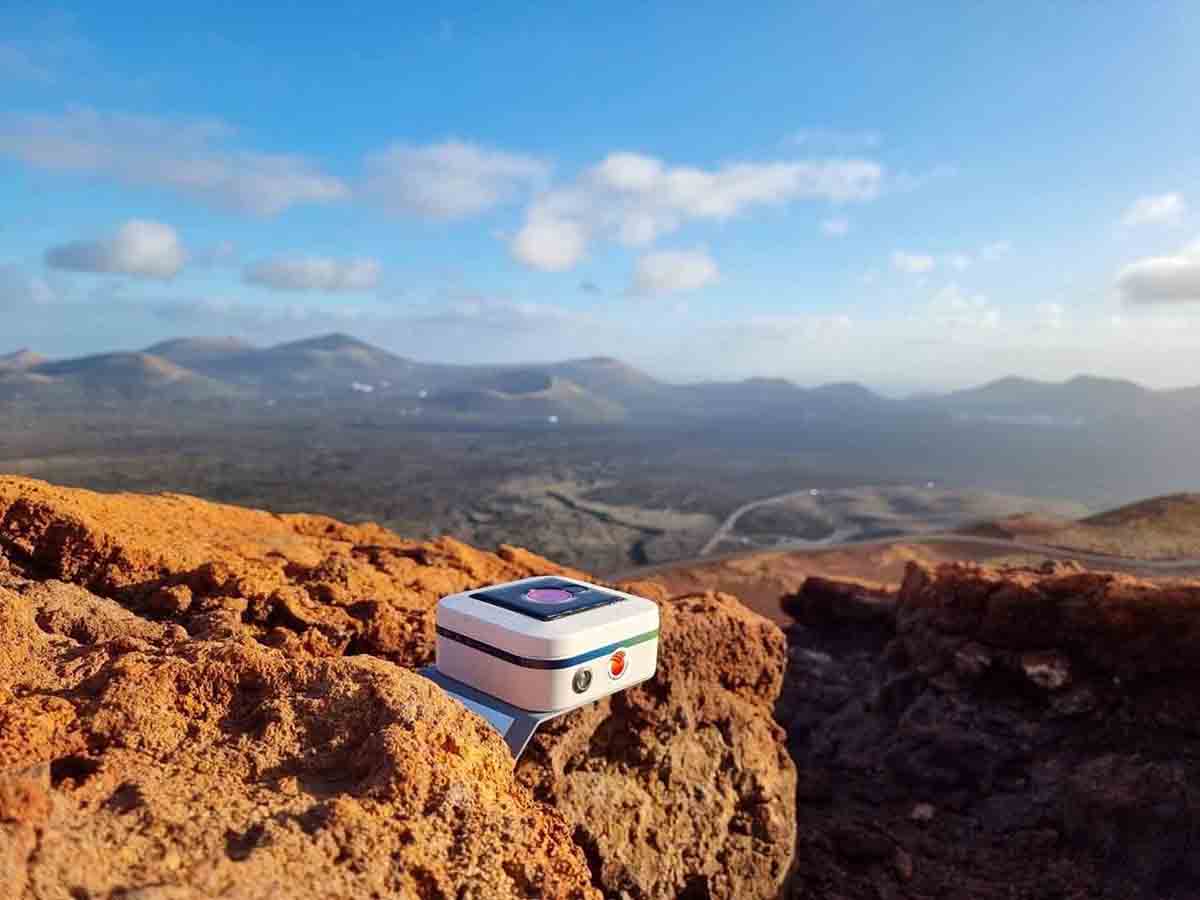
343	370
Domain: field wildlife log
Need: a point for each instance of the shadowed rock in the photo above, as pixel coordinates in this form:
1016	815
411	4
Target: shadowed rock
1010	734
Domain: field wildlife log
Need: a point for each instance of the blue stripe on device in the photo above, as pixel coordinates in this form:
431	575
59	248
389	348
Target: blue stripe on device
532	663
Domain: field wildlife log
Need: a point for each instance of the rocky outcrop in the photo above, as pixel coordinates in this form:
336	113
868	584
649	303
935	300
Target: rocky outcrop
1116	625
304	584
139	762
201	700
198	700
1015	734
683	789
823	601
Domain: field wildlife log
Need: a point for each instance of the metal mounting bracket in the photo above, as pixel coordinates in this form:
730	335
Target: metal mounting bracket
514	724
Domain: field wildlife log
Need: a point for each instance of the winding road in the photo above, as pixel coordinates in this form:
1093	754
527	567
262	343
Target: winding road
844	537
1095	560
731	520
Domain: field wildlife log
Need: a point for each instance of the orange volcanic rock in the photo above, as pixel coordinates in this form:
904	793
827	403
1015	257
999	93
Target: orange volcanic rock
683	788
197	768
1117	623
201	700
304	583
825	600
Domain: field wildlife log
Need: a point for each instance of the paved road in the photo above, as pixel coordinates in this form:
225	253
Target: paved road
732	519
1094	560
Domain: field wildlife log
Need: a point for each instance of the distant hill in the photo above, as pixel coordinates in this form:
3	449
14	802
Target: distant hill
1175	512
108	379
333	351
1160	528
20	361
617	381
780	399
199	352
848	395
1183	399
133	368
528	394
329	364
343	370
1081	399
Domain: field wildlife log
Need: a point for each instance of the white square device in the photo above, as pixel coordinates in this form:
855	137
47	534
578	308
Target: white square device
547	644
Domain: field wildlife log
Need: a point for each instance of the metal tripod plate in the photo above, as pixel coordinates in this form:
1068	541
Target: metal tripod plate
515	725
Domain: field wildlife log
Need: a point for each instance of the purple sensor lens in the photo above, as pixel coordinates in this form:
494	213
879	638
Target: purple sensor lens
548	595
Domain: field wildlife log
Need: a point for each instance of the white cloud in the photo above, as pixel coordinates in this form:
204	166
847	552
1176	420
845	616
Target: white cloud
186	155
141	248
918	263
629	172
636	199
1162	279
953	308
552	245
314	273
448	180
912	263
1051	316
835	227
1155	209
673	271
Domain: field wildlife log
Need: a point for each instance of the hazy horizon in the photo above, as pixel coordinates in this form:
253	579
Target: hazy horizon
884	390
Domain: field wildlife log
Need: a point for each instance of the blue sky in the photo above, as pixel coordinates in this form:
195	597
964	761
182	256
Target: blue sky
910	196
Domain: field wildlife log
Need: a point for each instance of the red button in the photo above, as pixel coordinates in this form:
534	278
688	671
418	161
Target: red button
616	664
